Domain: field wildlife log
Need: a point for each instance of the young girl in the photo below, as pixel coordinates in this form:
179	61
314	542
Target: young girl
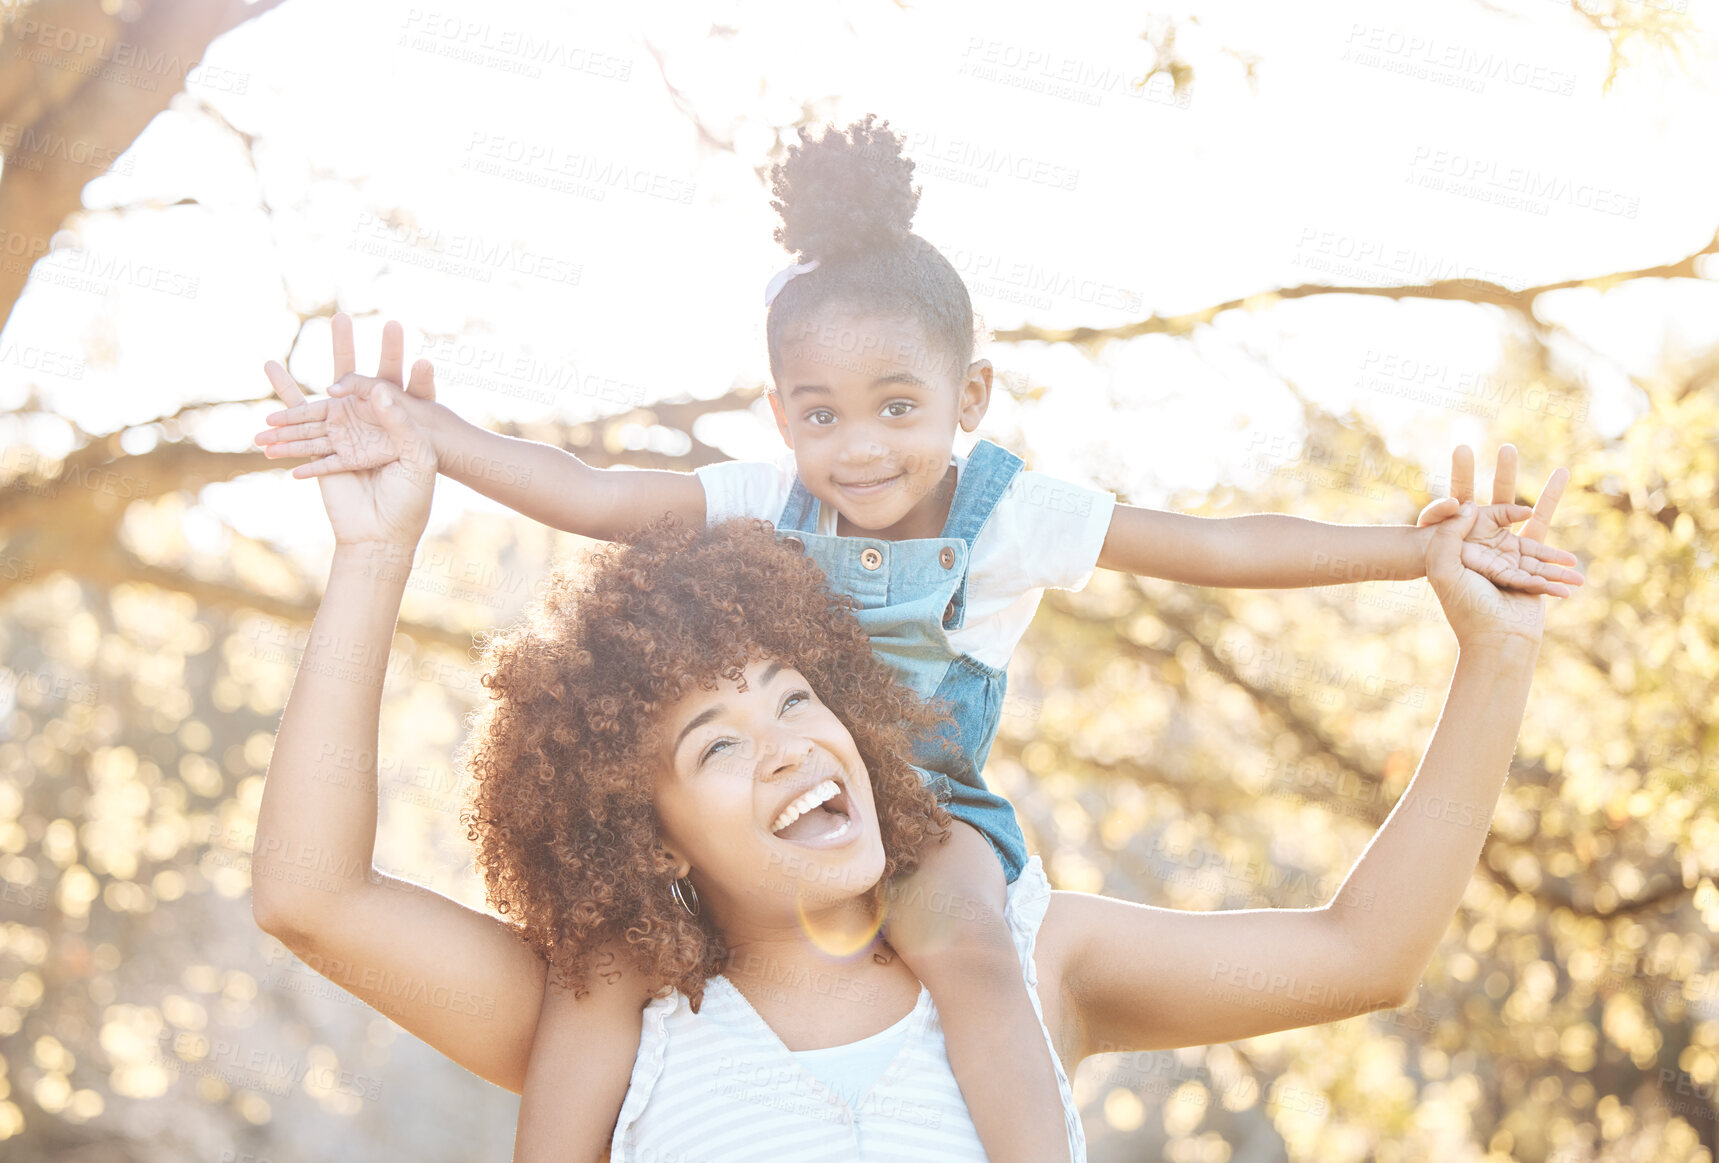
871	338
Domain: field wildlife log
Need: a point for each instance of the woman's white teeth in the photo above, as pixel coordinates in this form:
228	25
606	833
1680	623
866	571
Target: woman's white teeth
823	793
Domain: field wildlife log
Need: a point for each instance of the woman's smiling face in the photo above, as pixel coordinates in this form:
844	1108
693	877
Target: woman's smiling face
766	798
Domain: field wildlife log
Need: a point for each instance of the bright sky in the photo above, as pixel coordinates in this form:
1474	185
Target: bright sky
1376	148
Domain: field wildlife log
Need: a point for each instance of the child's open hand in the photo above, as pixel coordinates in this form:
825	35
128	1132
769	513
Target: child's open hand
344	430
1510	560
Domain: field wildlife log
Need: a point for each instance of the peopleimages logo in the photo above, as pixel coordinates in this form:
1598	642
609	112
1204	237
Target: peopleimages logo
996	276
974	163
562	171
510	50
463	254
1426	58
1039	70
1513	187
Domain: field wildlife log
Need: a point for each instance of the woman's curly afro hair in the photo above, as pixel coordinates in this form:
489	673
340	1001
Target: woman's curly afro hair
564	756
847	199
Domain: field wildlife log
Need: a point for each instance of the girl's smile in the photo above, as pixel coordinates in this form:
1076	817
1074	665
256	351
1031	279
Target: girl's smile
873	433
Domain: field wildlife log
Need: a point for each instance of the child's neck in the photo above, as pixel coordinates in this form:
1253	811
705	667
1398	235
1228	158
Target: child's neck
924	520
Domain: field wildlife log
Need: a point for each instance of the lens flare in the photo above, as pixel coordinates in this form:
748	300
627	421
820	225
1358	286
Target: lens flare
841	939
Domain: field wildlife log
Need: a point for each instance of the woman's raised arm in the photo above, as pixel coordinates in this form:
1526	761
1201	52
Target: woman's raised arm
1139	978
456	978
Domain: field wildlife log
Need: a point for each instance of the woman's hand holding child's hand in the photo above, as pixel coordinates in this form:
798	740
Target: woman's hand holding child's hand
1464	557
344	429
379	491
1511	561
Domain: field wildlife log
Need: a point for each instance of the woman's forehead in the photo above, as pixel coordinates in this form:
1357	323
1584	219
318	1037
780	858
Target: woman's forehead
757	675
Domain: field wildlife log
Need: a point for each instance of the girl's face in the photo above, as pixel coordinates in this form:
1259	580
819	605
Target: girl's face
870	408
767	800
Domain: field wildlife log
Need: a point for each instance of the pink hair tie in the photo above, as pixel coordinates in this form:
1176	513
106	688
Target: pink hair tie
782	276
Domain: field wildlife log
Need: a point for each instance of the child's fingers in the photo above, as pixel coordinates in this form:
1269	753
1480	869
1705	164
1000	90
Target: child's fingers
393	359
291	432
327	466
321	446
345	354
303	414
281	381
1529	581
1504	476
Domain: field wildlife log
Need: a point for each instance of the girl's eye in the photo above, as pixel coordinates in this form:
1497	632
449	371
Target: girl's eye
796	697
822	418
896	409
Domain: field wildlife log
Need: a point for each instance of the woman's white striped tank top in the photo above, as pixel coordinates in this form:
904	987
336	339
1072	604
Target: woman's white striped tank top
719	1086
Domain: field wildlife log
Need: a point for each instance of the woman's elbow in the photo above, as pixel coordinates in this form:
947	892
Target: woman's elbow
288	914
276	917
1379	977
1394	995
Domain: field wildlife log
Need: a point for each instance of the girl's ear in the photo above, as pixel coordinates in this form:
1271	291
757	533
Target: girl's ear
975	395
781	418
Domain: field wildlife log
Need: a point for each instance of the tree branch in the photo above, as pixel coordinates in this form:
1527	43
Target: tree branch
1452	290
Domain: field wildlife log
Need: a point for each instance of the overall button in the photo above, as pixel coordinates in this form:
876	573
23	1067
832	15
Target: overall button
871	558
947	557
949	611
795	544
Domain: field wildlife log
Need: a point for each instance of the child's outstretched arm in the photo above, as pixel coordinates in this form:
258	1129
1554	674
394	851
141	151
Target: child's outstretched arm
1274	551
548	484
946	921
581	1065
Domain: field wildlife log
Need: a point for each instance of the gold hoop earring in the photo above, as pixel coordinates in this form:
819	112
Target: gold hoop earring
679	894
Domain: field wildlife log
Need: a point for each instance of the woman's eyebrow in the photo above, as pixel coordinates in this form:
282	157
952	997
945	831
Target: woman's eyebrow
709	713
694	724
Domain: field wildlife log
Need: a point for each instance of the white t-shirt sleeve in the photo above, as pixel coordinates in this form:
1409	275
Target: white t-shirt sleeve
745	488
1044	534
1053	531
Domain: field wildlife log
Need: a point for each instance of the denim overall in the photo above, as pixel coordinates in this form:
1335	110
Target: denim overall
907	595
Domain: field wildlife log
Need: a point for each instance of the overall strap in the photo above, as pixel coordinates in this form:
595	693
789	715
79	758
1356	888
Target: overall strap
985	479
800	514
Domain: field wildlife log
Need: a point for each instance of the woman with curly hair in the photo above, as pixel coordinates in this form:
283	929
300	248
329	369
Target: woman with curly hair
692	778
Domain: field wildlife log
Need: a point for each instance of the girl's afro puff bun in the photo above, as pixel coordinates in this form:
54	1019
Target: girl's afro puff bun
845	192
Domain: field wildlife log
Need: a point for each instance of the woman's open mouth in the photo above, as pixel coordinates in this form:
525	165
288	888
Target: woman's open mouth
820	817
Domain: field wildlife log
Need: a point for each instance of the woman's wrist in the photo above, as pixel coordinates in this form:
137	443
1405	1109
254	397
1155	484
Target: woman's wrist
384	561
1500	649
